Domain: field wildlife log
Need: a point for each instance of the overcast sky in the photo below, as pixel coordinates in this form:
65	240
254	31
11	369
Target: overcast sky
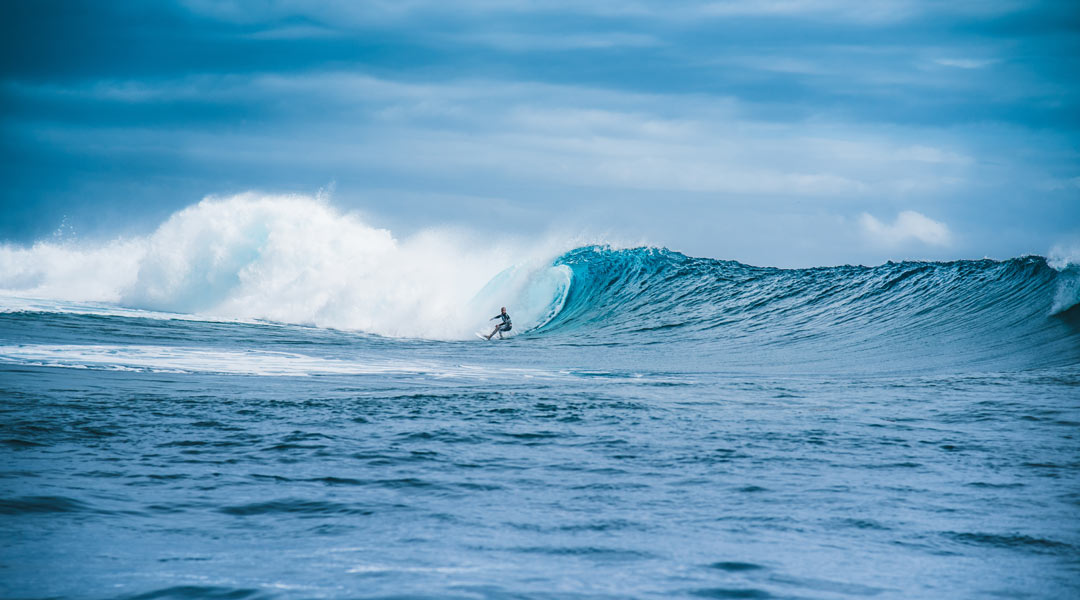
774	132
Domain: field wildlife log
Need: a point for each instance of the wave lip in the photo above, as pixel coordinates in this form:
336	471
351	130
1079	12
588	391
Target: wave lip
535	293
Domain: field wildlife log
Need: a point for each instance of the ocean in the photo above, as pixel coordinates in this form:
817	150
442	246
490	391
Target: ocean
269	399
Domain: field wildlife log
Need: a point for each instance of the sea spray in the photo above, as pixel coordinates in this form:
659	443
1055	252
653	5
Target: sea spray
1066	260
293	259
66	271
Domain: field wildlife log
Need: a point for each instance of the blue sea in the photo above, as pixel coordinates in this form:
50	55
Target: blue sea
222	411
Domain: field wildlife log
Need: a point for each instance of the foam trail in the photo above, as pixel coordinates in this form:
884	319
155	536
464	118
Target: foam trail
173	359
294	259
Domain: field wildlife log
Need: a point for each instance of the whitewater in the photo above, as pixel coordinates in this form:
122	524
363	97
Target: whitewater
285	259
268	397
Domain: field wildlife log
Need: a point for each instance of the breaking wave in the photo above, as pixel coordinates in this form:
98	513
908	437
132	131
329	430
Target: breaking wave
294	259
297	260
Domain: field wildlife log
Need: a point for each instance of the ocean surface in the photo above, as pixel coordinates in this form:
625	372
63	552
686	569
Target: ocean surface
656	426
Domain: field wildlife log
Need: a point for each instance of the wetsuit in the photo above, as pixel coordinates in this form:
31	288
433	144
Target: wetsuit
506	325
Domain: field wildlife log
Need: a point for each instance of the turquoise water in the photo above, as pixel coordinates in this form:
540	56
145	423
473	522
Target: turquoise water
660	426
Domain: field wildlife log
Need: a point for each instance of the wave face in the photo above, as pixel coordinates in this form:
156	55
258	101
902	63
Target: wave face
980	312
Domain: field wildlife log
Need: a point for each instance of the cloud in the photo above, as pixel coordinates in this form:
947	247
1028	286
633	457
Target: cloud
870	12
909	225
565	110
1060	184
524	42
965	63
490	129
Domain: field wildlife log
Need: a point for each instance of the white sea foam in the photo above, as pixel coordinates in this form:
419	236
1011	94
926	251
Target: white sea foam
296	259
20	304
173	359
266	363
1065	258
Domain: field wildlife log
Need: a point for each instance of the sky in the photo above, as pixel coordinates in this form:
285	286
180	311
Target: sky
776	132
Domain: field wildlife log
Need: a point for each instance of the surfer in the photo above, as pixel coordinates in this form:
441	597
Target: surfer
504	325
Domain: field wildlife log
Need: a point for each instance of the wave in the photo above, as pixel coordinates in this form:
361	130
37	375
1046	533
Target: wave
645	289
296	260
984	310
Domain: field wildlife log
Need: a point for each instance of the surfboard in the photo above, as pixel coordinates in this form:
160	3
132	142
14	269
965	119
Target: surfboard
482	336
